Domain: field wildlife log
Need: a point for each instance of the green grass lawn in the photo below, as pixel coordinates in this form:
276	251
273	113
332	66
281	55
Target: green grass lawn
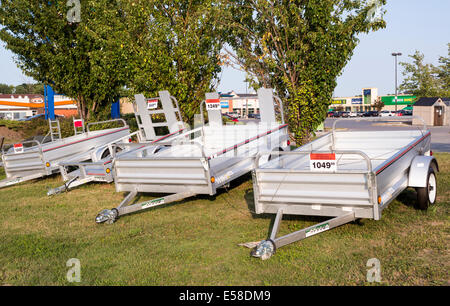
195	242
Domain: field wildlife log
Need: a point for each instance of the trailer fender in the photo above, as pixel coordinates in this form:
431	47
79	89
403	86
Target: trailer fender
418	172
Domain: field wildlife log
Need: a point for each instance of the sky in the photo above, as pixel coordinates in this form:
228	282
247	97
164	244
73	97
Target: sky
411	25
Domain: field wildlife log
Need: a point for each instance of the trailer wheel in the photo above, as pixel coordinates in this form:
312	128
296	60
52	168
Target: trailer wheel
106	153
272	156
426	196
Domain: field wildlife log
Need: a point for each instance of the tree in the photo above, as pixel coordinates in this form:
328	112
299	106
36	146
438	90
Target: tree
299	48
6	89
420	78
379	104
29	89
79	58
443	74
174	46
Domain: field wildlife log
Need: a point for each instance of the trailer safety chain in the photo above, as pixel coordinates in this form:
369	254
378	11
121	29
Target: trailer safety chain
62	188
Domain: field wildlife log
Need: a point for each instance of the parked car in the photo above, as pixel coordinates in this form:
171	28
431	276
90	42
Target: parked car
371	113
359	114
230	118
387	113
344	114
234	115
353	114
257	116
404	113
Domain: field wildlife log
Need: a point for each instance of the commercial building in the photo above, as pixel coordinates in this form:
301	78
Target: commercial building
366	101
19	106
243	104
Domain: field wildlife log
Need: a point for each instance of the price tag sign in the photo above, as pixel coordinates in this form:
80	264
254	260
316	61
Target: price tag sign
78	123
18	148
213	104
152	104
322	162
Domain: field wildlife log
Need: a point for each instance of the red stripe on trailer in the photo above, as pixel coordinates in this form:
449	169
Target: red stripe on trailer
403	153
247	141
96	174
164	137
84	140
322	156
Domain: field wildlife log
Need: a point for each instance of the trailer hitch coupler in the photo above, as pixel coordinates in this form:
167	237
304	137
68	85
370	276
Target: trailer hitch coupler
264	250
108	216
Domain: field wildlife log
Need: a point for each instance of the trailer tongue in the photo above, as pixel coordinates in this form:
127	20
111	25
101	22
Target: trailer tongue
159	120
198	161
344	175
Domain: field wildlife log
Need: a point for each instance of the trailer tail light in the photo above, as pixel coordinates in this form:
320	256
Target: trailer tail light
213	179
379	199
431	152
47	164
108	170
129	140
288	142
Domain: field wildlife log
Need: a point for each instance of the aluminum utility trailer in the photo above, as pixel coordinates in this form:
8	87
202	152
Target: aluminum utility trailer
159	119
33	159
345	175
199	161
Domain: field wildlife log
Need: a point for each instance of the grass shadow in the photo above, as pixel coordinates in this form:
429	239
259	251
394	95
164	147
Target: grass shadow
408	197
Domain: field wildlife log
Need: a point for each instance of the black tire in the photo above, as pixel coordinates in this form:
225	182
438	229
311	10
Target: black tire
426	196
107	154
272	156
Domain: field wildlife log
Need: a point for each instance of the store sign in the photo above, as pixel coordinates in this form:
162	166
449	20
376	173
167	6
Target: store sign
367	94
224	104
357	101
401	100
341	101
37	100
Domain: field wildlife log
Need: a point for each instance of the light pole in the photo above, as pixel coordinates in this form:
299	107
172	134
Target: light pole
395	55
